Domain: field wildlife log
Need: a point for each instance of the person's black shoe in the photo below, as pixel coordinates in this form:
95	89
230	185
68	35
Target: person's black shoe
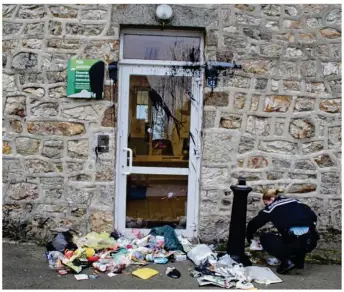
299	262
285	267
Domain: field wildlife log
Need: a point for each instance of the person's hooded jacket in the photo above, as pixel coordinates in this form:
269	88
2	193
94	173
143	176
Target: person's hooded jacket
284	213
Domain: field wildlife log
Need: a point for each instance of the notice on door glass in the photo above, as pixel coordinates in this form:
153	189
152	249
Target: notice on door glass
78	82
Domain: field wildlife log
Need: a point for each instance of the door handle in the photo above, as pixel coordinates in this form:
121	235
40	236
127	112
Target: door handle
130	160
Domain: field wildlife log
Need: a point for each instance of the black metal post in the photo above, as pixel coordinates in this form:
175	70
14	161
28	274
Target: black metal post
237	231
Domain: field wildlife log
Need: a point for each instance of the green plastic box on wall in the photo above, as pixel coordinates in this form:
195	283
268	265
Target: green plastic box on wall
78	78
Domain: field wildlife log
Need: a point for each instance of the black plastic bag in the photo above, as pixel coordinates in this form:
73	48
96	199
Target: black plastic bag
61	242
170	237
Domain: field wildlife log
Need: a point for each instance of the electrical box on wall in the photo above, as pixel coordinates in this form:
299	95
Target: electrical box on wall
103	143
85	78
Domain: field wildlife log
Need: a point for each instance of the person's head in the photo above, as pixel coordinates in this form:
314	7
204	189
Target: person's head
270	195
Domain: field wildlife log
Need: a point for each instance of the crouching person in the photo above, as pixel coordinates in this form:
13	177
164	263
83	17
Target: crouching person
295	223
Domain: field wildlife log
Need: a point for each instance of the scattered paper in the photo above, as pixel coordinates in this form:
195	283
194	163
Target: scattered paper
81	277
111	274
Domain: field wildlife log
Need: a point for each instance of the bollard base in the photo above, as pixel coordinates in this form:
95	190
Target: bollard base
244	260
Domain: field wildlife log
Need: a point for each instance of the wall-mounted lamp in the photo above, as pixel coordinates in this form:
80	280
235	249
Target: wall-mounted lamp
164	14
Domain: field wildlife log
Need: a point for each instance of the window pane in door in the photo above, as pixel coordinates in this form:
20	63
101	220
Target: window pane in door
159	120
156	200
161	47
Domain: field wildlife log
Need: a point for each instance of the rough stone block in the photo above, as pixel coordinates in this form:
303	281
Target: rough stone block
246	144
208	119
334	137
110	119
261	84
304	104
238	81
257	66
15	105
291	10
330	33
315	87
31	11
8	9
307	38
293	52
53	149
216	98
258	125
302	188
245	7
34	30
300	174
334	17
78	196
289	69
279	127
45	109
249	176
277	103
331	105
9	28
27	146
278	146
84	29
254	102
62	11
57	92
217	147
274	175
230	122
257	162
239	100
313	22
332	69
324	160
74	167
94	14
279	163
302	128
312	147
25	61
106	50
23	191
247	19
39	166
78	149
86	113
271	9
214	177
304	164
55	128
6	148
105	170
292	24
102	221
308	68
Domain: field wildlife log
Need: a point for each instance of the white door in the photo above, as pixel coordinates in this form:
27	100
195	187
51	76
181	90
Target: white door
158	148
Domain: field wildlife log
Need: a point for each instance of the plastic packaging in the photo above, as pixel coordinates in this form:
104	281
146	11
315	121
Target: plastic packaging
200	253
100	240
255	245
160	260
171	241
55	259
226	260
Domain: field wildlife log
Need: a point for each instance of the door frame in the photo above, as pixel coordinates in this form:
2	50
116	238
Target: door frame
137	66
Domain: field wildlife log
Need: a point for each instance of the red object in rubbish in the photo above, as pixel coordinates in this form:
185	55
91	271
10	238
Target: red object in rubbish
93	258
62	272
129	246
68	253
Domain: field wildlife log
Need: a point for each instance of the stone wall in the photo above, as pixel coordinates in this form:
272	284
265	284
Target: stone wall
277	122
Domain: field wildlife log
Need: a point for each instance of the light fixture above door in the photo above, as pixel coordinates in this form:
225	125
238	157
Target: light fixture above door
164	14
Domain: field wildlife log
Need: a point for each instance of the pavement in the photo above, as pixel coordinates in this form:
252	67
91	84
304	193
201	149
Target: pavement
25	267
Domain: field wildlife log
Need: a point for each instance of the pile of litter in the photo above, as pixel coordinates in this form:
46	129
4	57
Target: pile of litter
112	253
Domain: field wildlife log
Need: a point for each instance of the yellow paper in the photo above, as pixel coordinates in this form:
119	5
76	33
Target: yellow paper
145	273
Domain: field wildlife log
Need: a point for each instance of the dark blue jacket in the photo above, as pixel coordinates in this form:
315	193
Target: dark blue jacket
284	213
